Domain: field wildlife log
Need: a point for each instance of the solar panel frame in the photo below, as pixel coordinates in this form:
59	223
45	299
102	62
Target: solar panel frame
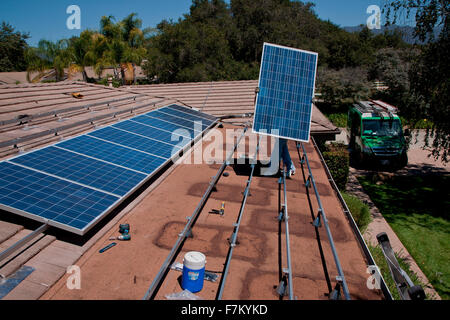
98	218
305	136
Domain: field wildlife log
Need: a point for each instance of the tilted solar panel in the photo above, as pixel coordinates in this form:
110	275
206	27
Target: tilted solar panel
40	196
113	153
193	112
286	88
82	169
73	184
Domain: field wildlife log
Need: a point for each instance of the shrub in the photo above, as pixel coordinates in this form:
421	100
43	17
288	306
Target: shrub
115	82
337	158
338	119
359	210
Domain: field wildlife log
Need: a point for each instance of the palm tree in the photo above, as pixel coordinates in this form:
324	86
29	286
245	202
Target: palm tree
109	29
80	52
125	41
99	54
48	55
131	30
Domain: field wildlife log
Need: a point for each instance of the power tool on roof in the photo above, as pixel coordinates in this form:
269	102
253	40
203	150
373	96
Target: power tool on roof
221	211
124	229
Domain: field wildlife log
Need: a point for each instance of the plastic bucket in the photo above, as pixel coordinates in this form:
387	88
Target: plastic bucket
193	271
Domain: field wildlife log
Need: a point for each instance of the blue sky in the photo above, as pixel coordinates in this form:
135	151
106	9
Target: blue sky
47	18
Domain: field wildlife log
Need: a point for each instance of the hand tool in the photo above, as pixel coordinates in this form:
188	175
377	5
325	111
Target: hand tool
107	247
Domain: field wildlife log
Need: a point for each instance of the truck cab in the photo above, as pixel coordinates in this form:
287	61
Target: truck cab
375	134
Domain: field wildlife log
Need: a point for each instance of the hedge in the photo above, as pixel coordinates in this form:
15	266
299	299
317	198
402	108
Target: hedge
337	158
359	210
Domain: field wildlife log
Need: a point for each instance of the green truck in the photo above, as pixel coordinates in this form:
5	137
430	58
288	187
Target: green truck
375	134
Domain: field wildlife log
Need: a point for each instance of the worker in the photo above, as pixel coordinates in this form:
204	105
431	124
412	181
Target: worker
286	157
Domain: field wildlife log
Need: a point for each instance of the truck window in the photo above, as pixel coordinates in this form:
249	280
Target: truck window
382	127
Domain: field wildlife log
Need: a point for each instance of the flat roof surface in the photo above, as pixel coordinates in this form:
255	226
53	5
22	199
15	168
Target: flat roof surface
127	270
37	115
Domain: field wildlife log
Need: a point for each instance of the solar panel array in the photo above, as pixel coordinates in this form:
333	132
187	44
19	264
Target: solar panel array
73	184
286	88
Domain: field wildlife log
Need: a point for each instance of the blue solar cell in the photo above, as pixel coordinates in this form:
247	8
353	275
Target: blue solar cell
286	88
205	123
137	142
192	111
51	198
176	120
153	133
76	182
166	126
78	168
113	153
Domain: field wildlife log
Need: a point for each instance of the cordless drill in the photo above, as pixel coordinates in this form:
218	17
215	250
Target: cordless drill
124	229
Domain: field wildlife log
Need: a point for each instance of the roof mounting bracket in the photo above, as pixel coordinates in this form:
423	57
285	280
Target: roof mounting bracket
317	222
336	293
282	215
308	182
282	288
189	234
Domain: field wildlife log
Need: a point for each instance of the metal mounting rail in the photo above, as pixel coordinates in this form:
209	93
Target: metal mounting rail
22	242
157	281
288	248
233	238
327	227
316	228
66	110
370	260
14	142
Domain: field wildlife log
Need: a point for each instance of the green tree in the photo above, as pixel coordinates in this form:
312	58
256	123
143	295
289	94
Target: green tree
131	30
13	47
122	42
278	21
98	54
195	48
392	66
428	96
344	86
81	52
48	55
